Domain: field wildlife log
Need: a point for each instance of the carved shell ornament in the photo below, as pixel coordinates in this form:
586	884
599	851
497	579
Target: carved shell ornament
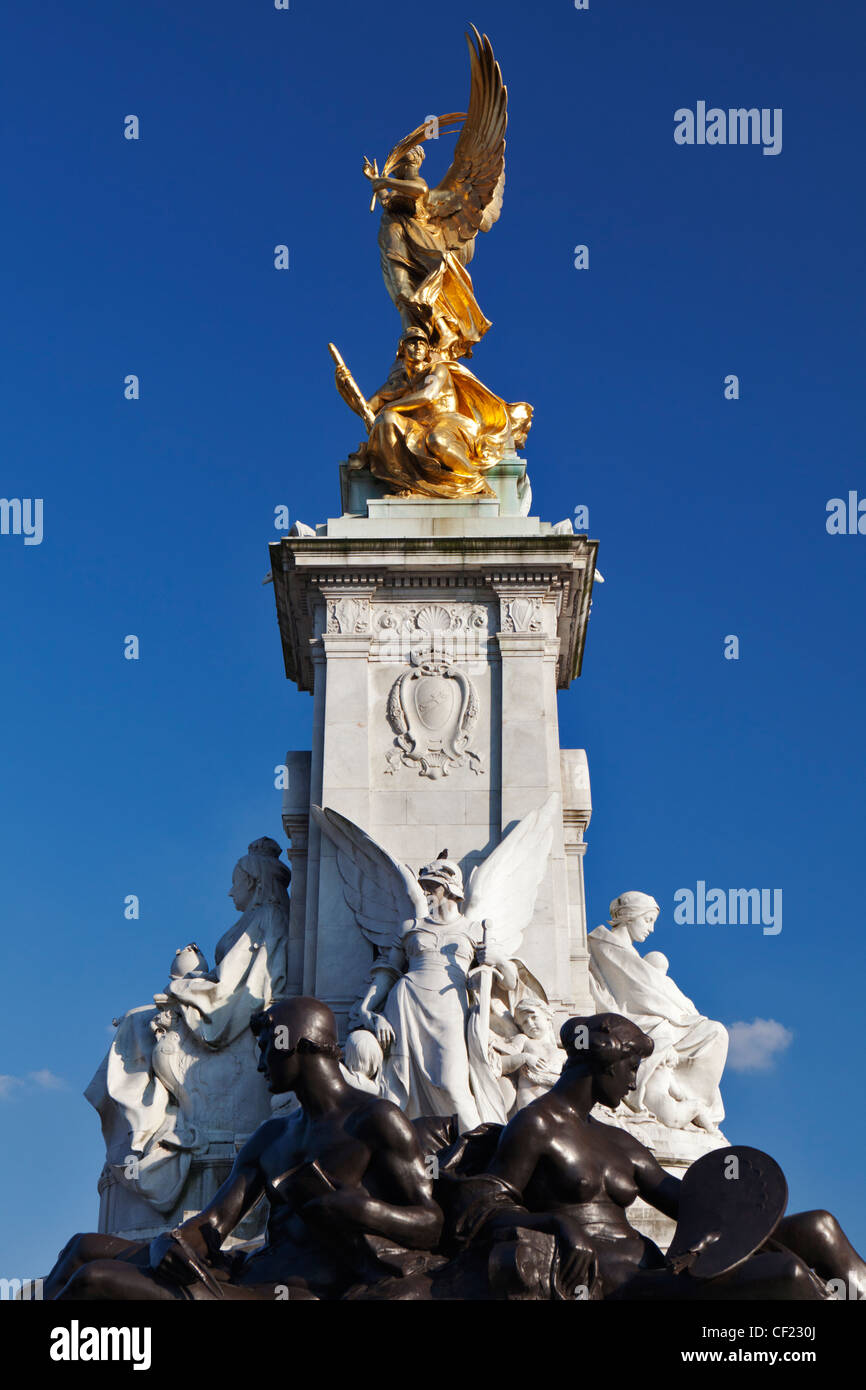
435	617
432	618
433	709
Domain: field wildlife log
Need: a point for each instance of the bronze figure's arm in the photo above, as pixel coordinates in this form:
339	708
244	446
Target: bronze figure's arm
205	1232
406	1212
660	1189
407	188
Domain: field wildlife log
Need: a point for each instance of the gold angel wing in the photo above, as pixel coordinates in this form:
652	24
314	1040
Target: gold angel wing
469	198
418	136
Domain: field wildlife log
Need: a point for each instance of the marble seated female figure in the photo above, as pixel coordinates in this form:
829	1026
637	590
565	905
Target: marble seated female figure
679	1083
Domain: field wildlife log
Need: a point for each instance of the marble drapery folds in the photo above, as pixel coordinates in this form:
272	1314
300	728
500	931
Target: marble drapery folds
690	1046
151	1089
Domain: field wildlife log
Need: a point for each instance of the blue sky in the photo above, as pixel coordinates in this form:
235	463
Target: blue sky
155	257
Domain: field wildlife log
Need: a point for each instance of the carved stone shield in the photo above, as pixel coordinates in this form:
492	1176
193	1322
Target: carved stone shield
432	709
434	698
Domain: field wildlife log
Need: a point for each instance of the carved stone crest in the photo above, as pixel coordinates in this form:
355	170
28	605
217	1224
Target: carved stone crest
433	708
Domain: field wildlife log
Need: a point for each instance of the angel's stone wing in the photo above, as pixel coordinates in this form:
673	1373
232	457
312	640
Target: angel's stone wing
504	887
381	891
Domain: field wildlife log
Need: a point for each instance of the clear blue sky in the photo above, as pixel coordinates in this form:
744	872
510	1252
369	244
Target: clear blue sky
156	258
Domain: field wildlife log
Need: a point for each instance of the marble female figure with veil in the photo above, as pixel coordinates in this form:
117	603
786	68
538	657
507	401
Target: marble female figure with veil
440	960
250	961
151	1088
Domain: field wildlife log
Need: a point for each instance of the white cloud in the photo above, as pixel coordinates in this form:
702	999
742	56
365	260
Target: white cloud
755	1046
47	1080
44	1079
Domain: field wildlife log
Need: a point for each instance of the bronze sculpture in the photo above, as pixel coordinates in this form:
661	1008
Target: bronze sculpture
434	428
535	1209
560	1173
350	1200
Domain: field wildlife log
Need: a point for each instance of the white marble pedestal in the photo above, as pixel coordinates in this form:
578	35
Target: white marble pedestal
485	616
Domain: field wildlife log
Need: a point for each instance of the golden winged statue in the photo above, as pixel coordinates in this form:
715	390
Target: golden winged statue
434	429
427	236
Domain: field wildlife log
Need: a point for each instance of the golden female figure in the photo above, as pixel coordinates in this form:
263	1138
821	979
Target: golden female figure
427	236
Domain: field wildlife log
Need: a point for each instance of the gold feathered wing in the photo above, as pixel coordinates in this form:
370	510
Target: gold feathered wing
469	198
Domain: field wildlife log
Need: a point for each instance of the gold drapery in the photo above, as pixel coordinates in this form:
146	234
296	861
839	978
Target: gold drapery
444	447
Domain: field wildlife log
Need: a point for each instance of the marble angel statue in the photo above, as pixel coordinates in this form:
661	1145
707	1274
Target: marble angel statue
427	235
446	962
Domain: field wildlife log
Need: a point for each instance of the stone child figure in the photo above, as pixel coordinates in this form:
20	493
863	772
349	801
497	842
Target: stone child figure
343	1176
363	1060
534	1058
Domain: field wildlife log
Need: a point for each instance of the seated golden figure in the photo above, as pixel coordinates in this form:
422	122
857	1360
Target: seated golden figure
434	428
